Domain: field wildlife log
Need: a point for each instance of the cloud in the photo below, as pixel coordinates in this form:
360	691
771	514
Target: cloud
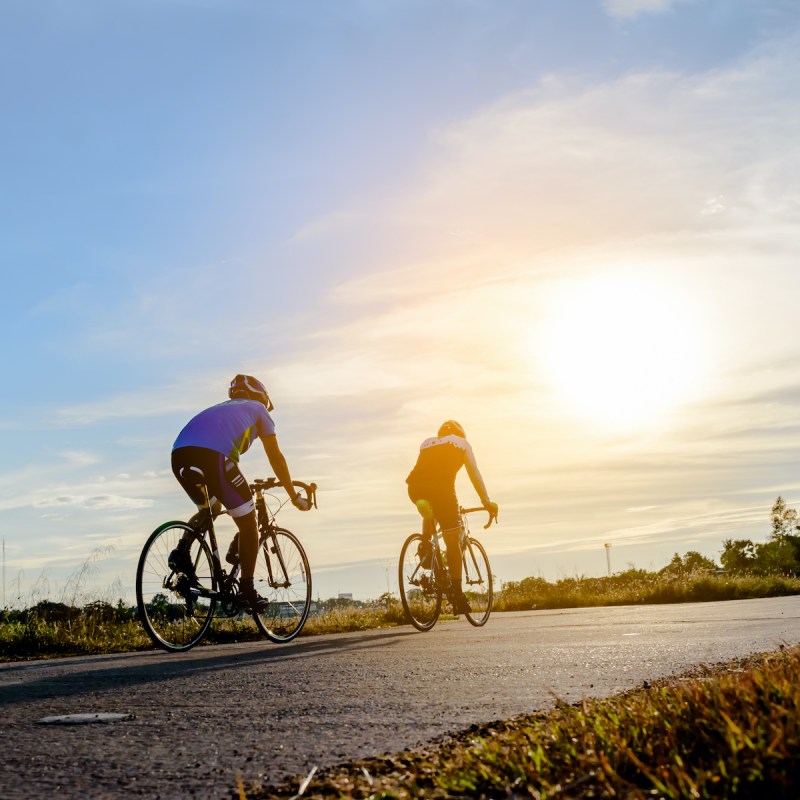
79	458
326	226
627	9
569	165
106	502
150	402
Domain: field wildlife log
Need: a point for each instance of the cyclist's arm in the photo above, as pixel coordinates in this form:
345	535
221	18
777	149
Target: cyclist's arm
475	476
278	463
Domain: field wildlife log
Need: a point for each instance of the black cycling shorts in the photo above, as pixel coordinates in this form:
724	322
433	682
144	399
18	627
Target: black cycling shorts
221	475
443	503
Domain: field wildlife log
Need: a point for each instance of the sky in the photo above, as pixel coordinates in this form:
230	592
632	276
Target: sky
571	225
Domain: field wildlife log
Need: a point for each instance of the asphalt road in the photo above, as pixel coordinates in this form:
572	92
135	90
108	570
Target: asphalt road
273	711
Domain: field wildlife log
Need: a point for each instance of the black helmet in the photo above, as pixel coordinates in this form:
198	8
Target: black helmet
246	387
451	428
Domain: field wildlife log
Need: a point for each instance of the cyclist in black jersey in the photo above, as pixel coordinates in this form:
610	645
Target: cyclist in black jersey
432	489
209	446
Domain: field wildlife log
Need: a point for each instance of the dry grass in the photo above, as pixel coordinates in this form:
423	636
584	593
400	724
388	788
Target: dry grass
640	587
101	628
43	632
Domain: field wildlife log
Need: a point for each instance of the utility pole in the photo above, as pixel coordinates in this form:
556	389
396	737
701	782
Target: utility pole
4	573
608	557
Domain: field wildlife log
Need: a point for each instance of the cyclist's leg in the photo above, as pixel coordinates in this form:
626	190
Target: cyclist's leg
189	465
248	543
247	525
193	467
445	509
230	486
185	466
452	541
425	511
439	504
226	486
429	527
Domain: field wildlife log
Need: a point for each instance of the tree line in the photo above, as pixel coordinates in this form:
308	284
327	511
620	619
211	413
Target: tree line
779	555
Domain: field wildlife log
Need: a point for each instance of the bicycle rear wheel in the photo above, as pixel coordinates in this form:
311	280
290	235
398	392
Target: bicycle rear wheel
284	578
477	583
170	610
420	593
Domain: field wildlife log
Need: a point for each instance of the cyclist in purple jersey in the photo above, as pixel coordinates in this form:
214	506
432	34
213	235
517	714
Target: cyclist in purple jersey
432	489
209	447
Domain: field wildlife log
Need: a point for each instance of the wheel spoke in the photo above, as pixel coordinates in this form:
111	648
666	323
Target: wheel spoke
477	582
171	610
419	591
284	578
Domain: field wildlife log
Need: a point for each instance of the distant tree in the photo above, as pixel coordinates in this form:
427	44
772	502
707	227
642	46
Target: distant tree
340	602
784	519
690	564
738	556
53	612
675	567
159	604
695	562
99	610
123	612
781	556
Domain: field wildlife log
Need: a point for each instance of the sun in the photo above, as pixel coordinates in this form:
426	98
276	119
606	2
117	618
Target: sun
621	351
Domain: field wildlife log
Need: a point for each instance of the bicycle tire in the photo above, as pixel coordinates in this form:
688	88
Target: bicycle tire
172	617
419	592
477	583
288	590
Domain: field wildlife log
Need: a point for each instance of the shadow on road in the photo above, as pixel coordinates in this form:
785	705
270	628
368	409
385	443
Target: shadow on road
31	681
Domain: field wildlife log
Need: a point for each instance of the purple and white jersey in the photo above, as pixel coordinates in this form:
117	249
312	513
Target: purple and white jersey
228	428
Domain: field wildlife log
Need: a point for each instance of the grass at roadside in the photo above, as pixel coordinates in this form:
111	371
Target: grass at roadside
732	731
99	627
639	587
35	636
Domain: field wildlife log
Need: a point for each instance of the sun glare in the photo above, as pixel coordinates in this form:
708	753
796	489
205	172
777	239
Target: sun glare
621	352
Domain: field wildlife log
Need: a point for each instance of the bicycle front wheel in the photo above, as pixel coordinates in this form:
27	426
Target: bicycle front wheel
477	583
284	578
171	610
419	591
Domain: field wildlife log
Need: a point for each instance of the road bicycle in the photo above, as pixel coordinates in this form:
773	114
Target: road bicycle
176	608
424	578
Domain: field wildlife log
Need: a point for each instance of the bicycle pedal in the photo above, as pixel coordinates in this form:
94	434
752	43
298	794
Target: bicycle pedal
183	585
244	604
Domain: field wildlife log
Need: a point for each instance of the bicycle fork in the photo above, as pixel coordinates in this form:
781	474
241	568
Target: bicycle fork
472	571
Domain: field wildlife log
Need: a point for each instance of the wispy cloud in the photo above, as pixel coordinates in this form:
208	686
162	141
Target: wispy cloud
105	502
152	402
327	225
627	9
79	458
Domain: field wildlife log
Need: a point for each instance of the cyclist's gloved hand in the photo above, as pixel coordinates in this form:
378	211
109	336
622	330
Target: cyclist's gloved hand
492	508
300	503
